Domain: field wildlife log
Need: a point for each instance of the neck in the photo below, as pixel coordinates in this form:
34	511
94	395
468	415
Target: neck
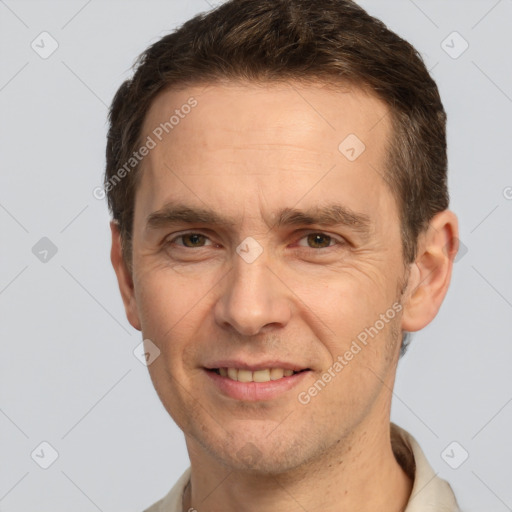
357	474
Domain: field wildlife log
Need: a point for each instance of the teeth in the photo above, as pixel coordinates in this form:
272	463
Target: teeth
260	375
265	375
276	373
244	376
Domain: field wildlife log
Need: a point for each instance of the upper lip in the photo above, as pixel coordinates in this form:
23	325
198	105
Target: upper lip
261	365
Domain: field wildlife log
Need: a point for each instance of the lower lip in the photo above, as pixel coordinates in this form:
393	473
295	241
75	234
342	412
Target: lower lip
256	391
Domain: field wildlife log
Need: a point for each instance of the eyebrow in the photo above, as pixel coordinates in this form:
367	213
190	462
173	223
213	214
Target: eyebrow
326	215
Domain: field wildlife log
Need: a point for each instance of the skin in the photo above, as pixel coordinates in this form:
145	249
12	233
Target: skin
246	151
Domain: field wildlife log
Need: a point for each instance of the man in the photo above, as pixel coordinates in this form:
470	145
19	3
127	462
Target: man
276	172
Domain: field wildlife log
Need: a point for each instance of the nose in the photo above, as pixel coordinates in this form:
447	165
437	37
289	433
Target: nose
253	299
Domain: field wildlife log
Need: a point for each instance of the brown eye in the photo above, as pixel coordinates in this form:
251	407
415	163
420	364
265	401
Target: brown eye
319	240
192	240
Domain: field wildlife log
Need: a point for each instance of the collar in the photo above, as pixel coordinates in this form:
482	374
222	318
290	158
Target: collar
429	492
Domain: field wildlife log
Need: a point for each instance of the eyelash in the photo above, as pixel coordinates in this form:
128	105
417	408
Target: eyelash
332	238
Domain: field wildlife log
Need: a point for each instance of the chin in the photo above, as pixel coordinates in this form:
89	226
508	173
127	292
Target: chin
262	464
257	456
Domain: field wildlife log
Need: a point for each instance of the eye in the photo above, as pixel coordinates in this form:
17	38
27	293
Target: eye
313	240
319	240
190	240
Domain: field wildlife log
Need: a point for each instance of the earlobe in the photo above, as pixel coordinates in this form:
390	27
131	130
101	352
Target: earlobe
430	274
124	277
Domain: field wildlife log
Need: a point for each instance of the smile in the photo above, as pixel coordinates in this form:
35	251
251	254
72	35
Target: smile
257	385
264	375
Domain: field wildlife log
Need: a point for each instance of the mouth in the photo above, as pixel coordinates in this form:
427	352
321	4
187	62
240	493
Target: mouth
261	375
256	384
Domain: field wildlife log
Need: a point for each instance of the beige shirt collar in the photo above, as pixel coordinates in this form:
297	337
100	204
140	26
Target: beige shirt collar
429	493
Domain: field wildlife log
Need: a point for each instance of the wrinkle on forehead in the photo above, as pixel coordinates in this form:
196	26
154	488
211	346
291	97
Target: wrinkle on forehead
275	142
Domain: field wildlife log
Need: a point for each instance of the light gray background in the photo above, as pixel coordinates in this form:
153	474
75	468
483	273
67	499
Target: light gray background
68	374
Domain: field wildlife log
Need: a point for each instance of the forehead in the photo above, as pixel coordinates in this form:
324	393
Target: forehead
268	111
215	139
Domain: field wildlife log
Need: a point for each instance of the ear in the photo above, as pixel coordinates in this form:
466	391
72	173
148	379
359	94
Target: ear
124	277
431	272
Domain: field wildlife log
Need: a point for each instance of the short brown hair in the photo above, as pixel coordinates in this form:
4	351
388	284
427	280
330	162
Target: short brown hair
332	41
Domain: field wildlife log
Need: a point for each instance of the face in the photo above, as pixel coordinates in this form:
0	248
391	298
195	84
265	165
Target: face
265	239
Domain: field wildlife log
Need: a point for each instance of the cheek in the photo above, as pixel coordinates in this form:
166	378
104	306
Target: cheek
360	372
363	337
170	313
167	300
349	302
175	311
